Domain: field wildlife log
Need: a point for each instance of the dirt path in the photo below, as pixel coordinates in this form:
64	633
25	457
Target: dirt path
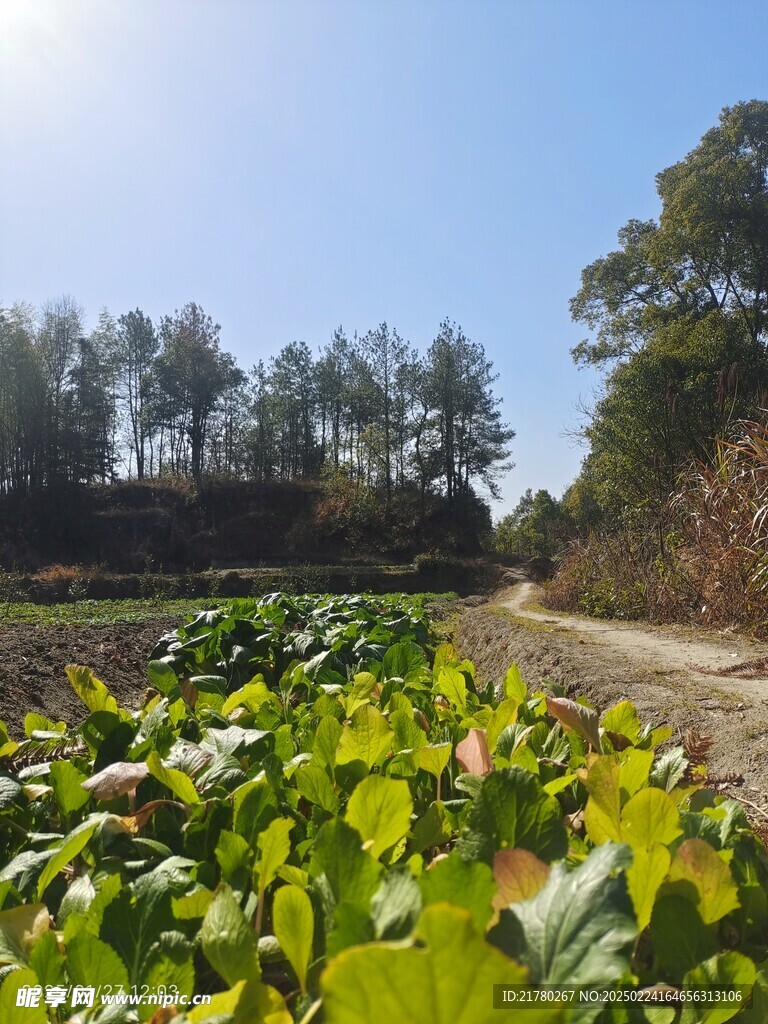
739	666
717	683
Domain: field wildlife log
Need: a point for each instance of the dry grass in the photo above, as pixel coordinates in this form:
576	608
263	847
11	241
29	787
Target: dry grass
704	561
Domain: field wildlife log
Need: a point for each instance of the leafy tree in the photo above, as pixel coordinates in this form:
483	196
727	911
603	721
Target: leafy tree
292	384
708	251
138	346
473	440
679	315
191	374
537	526
385	353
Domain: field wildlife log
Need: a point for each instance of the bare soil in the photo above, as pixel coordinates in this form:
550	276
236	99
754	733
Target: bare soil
32	661
716	683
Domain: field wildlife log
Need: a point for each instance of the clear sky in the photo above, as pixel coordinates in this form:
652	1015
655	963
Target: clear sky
292	165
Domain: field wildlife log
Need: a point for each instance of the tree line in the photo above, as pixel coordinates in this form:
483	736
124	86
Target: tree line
135	399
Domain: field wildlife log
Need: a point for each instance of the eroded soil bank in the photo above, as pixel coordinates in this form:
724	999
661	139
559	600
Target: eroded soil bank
716	683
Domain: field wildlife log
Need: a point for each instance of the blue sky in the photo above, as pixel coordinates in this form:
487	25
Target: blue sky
296	165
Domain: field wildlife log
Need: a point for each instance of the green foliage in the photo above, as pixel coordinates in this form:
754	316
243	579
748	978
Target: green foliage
286	820
679	315
538	525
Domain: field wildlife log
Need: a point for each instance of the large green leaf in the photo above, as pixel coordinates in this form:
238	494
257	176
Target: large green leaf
366	738
314	785
351	872
725	970
90	961
463	884
645	875
326	741
512	810
405	660
11	1012
65	851
228	941
434	758
651	816
246	1002
602	814
579	927
179	784
294	926
504	715
447	979
622	720
67	782
679	937
453	686
634	770
396	905
275	846
514	686
135	919
254	806
380	809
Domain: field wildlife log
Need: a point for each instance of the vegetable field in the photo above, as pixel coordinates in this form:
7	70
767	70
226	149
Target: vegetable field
319	814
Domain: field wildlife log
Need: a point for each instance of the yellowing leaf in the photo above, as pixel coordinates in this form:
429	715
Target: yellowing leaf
602	814
650	817
20	928
645	875
699	875
380	809
519	875
91	691
504	715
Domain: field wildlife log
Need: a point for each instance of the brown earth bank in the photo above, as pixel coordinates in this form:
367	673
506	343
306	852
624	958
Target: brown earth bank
169	523
715	683
32	661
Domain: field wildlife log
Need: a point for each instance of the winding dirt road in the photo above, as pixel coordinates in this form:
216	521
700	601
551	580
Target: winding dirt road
729	663
716	683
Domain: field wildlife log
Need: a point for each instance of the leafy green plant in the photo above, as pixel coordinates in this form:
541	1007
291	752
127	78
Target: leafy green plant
321	814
